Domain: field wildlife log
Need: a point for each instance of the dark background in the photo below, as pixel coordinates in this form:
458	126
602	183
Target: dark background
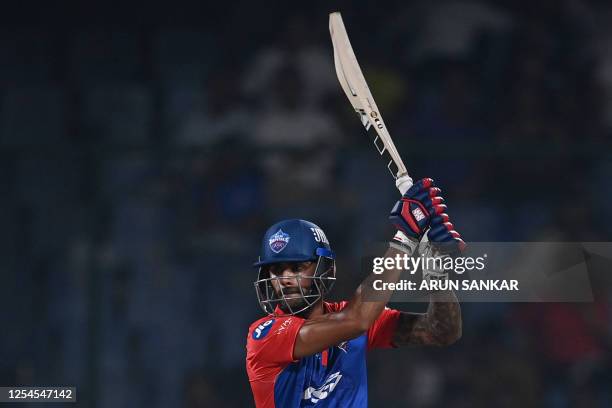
146	147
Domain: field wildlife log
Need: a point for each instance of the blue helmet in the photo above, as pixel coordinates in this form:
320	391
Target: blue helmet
294	240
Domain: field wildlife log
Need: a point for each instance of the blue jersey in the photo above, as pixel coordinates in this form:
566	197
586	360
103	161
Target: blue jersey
335	377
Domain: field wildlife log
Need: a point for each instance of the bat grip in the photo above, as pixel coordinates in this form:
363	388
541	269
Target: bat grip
403	182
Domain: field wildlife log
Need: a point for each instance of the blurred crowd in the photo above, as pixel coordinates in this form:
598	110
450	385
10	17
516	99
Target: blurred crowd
143	159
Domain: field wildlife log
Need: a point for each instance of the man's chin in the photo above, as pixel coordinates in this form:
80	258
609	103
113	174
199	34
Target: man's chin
293	305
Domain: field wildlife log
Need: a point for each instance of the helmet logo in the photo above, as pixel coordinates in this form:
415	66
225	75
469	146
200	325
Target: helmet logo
278	241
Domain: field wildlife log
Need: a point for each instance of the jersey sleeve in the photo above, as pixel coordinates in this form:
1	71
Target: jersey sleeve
271	342
380	335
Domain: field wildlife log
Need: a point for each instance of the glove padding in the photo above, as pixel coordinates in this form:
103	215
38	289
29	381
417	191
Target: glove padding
443	236
413	213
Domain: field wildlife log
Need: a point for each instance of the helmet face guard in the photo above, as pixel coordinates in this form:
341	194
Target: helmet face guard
321	283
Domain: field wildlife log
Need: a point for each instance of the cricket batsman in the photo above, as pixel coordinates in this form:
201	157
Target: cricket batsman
311	353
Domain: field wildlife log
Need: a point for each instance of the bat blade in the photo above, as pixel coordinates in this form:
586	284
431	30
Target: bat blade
358	93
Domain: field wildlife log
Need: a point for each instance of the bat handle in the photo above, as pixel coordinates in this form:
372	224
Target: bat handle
403	182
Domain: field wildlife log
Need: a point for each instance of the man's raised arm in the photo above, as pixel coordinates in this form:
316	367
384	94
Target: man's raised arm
441	324
412	216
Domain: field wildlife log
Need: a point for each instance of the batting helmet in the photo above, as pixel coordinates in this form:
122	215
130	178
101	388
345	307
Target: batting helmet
294	240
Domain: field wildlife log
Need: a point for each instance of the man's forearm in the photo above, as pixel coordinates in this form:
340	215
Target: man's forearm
440	326
444	317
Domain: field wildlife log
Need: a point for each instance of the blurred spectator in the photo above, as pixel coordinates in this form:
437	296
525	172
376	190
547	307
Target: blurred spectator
297	143
294	47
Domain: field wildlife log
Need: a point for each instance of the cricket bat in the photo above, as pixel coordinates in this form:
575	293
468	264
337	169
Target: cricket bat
358	93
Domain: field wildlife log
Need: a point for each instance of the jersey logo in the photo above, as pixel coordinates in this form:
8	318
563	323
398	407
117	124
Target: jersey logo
343	346
262	330
317	394
284	325
278	241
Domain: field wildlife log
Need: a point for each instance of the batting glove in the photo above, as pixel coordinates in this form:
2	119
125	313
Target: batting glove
413	213
443	236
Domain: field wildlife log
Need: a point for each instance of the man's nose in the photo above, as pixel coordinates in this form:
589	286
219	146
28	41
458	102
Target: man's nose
288	277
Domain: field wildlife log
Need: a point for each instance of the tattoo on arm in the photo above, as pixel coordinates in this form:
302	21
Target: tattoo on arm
440	326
